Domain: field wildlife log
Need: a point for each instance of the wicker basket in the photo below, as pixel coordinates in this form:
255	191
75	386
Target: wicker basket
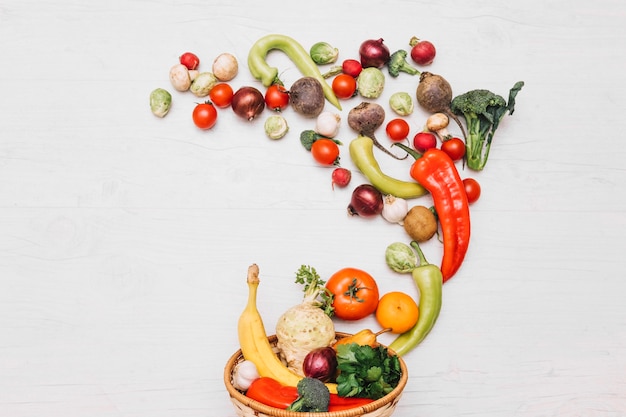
247	407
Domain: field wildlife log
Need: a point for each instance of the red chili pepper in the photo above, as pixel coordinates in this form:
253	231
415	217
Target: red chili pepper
437	173
270	392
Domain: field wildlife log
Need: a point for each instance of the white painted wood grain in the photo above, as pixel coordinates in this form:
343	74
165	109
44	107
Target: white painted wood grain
124	239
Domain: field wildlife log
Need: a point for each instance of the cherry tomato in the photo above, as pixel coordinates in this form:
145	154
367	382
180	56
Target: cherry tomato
325	151
221	95
397	129
344	86
472	189
355	293
276	97
205	115
454	147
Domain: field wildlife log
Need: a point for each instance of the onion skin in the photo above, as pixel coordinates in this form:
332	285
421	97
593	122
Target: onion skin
366	201
320	363
374	53
248	102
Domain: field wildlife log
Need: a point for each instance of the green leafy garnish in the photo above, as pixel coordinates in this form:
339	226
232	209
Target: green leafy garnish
366	372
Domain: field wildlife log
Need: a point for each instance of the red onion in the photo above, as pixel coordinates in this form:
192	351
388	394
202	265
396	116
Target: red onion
366	201
374	53
320	363
248	102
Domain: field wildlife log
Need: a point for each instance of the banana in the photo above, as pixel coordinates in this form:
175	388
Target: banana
254	343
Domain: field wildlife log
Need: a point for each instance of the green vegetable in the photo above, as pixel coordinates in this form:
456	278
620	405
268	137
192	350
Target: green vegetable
323	53
400	258
371	82
313	396
160	102
429	281
401	103
483	111
366	372
397	63
202	84
269	75
276	126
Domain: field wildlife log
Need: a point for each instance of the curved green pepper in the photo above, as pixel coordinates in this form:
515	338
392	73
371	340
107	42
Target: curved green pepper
268	75
429	280
362	154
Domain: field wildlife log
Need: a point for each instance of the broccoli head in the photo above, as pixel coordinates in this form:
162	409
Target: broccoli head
313	396
397	63
483	111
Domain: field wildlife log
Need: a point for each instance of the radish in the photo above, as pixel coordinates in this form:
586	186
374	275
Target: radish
190	60
422	52
424	141
341	177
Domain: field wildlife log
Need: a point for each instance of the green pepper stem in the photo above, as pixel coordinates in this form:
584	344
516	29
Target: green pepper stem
408	150
416	246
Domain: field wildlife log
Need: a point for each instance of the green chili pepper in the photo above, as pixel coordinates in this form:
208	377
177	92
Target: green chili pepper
362	154
268	75
430	282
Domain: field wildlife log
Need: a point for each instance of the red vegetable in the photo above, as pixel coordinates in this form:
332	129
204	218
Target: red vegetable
438	174
190	60
374	53
204	115
270	392
424	141
276	97
422	52
454	147
351	67
320	363
472	189
366	201
341	177
248	102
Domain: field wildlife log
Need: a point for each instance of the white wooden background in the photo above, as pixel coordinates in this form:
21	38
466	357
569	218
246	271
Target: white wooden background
125	239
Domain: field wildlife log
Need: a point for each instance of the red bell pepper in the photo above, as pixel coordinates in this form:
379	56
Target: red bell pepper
438	174
270	392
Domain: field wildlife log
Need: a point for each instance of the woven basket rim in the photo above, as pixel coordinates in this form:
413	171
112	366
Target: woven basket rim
238	396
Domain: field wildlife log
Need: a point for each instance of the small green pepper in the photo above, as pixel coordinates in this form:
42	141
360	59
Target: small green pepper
429	281
362	154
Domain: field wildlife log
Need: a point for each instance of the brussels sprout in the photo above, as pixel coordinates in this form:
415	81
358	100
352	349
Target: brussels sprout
323	53
371	82
401	103
400	257
276	126
203	83
160	102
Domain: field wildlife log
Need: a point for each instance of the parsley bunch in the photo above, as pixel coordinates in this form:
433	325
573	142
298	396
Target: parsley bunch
366	372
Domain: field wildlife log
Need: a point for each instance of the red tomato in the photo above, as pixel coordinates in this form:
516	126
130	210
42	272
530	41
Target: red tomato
472	189
344	86
276	97
325	151
454	147
205	115
397	129
355	293
221	95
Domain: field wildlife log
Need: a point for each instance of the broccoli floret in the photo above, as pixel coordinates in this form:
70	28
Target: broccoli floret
483	111
397	63
313	396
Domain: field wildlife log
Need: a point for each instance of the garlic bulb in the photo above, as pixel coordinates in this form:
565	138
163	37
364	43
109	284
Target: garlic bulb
327	124
394	209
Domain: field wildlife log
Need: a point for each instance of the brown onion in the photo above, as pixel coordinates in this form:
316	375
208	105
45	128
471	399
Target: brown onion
320	363
366	201
374	53
248	102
